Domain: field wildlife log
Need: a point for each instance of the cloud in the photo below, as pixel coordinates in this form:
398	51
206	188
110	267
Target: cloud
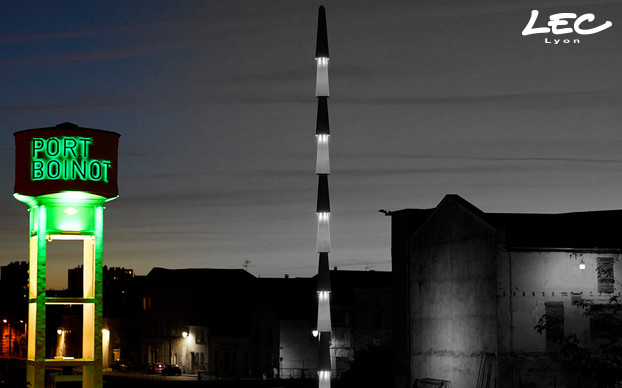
89	33
70	106
544	100
222	198
119	53
517	159
499	165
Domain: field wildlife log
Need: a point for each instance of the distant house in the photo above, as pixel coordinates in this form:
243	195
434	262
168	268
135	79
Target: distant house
361	316
13	309
224	322
471	286
198	318
121	309
361	312
283	326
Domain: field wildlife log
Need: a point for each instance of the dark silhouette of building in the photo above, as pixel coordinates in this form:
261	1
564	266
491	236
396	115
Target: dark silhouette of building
471	286
119	289
13	308
283	324
360	312
121	316
228	323
212	307
225	322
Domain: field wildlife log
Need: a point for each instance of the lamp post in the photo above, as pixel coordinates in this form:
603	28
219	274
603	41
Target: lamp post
170	343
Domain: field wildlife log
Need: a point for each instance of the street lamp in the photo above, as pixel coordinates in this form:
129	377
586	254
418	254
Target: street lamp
10	337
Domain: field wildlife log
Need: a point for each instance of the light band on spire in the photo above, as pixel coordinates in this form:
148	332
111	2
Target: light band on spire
322	165
323	311
321	81
323	232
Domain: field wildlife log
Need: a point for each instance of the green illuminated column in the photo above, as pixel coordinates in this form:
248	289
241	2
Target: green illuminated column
66	216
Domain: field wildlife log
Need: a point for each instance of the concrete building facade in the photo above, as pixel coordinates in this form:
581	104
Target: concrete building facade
475	285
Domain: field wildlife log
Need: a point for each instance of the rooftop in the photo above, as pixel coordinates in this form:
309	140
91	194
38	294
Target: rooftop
586	230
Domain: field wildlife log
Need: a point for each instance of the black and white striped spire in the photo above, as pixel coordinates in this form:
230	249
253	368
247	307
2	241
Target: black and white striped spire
322	170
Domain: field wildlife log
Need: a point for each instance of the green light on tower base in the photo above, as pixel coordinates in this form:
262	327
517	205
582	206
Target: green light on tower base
66	212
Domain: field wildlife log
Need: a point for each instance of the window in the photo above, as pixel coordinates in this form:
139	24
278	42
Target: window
376	322
604	271
200	339
605	321
554	312
338	318
576	298
146	303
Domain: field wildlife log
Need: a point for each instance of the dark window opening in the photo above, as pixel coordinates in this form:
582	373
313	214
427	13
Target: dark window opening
554	312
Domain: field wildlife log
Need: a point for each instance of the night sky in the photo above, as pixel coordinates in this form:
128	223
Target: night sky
215	104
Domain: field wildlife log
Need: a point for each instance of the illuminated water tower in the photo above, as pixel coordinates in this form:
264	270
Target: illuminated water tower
65	174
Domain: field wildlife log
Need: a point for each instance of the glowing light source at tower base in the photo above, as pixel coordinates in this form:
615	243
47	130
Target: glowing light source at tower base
323	311
64	212
324	379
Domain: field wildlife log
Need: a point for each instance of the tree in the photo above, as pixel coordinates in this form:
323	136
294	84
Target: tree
602	360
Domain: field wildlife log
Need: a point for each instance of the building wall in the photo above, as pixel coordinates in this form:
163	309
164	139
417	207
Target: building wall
404	223
360	320
361	307
191	352
452	296
528	280
372	319
13	308
229	356
298	349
